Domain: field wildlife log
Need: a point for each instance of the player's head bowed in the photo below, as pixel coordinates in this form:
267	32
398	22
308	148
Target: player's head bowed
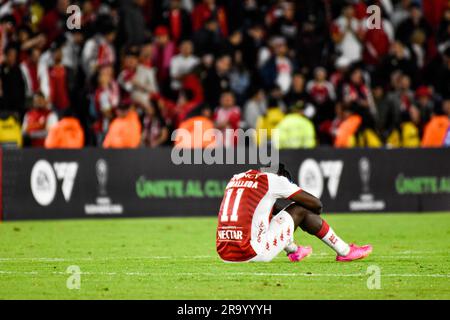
282	171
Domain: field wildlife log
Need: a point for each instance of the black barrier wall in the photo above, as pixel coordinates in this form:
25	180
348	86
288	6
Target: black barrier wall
57	184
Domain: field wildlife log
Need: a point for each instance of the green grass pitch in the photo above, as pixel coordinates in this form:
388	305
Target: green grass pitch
176	259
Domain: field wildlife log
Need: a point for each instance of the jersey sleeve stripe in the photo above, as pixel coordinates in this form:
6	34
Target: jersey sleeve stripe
296	192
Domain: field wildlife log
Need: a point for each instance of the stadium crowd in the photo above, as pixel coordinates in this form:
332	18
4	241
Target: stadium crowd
138	69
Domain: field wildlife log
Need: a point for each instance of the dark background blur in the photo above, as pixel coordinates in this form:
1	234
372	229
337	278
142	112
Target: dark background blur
235	63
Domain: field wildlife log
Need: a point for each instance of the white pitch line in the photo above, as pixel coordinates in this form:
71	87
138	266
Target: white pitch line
37	259
230	274
376	257
206	257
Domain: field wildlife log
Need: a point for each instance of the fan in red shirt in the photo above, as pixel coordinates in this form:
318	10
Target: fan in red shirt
54	21
227	118
29	67
38	121
106	100
208	9
57	80
247	232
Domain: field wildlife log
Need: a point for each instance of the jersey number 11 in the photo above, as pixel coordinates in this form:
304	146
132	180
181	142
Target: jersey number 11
235	207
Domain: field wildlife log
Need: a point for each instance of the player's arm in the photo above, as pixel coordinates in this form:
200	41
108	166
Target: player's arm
280	205
284	188
307	201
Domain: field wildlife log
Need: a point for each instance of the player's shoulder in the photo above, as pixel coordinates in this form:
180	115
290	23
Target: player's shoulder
275	178
249	174
265	176
276	181
255	175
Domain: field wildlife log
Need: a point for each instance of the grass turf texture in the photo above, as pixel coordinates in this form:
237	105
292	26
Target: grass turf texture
176	259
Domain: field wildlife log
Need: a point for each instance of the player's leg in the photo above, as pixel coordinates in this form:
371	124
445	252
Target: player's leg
279	237
296	214
312	223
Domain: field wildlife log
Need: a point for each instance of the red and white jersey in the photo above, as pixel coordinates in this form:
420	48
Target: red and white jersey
321	92
245	213
231	117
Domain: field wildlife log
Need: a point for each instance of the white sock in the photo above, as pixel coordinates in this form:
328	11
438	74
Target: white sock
291	247
332	240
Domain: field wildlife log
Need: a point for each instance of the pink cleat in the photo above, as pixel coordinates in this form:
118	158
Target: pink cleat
355	253
300	254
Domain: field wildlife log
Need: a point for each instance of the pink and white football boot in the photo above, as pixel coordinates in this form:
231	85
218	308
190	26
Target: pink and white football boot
355	253
300	254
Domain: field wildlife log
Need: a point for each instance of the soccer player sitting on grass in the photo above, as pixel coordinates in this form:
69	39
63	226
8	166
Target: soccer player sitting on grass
247	232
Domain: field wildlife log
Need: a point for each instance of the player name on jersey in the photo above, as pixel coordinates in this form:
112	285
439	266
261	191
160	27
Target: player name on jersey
242	184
